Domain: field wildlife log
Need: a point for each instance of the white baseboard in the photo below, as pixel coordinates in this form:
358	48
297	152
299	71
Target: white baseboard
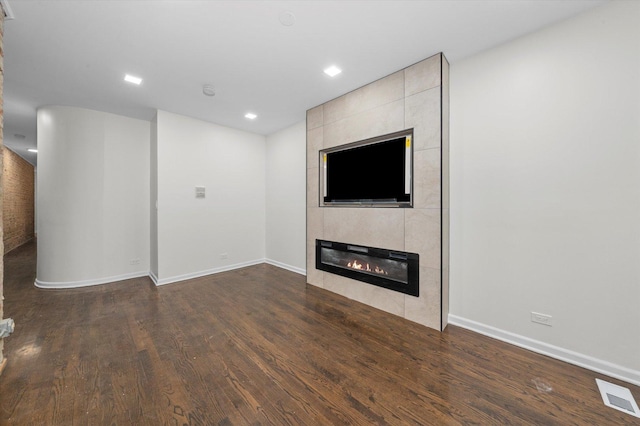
571	357
153	277
287	267
87	283
199	274
158	282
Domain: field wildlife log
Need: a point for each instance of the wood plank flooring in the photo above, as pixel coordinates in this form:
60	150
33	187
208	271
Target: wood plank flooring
257	346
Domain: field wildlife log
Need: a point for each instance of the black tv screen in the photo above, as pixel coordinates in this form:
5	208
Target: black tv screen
373	173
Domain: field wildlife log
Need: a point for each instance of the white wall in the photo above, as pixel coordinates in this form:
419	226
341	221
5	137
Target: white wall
153	212
194	233
286	198
93	197
545	186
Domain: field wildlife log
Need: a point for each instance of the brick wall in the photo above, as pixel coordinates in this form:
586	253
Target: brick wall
18	203
1	143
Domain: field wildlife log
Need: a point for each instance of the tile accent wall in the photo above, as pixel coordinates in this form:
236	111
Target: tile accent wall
416	97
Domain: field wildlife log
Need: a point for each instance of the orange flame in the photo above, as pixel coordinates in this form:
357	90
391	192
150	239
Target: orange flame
365	267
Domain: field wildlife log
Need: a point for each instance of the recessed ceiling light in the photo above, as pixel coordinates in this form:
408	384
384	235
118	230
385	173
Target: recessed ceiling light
32	150
332	71
132	79
250	116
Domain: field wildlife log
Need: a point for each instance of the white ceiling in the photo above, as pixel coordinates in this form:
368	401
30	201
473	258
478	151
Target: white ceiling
76	53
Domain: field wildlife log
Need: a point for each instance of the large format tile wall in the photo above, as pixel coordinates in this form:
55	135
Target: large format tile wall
415	97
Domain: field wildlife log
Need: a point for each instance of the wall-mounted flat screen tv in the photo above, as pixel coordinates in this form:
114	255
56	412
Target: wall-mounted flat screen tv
375	172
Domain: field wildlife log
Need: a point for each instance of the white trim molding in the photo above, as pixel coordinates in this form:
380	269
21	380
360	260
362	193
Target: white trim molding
295	269
158	282
88	283
562	354
199	274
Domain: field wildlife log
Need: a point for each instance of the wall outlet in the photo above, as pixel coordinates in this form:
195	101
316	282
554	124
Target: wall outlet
543	319
134	262
223	255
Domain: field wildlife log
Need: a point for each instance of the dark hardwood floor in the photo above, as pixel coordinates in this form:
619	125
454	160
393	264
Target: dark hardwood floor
258	346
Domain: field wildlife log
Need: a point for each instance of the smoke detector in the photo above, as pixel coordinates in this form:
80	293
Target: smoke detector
287	18
209	90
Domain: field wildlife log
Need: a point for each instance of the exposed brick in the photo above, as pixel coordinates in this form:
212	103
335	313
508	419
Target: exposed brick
1	177
18	205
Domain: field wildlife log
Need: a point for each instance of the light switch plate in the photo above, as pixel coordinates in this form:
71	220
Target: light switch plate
200	191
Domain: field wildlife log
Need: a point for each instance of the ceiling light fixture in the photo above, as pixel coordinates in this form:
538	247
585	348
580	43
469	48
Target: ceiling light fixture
250	116
209	90
132	79
32	150
332	71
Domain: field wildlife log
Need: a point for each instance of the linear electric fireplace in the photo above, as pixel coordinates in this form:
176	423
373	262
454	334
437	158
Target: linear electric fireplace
395	270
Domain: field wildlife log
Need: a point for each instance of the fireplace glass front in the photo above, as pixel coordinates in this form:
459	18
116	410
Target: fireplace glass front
390	269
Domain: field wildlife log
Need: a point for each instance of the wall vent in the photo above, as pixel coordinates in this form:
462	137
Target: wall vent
618	397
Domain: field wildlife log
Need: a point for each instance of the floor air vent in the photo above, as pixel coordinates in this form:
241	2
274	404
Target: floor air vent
618	397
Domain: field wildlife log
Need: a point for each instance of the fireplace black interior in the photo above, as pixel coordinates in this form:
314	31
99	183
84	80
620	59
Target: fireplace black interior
395	270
